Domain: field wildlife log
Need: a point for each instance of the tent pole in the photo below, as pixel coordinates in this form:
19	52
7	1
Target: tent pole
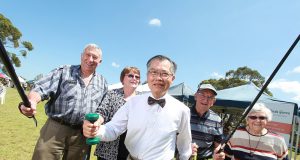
292	136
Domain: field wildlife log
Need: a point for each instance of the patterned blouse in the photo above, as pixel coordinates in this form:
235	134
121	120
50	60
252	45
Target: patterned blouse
112	101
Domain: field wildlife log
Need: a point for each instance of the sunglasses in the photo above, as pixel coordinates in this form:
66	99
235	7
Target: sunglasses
133	76
259	117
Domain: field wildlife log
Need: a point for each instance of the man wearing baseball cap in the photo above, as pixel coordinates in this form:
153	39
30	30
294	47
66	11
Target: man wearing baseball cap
206	125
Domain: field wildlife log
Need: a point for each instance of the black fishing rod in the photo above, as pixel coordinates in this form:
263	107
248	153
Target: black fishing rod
10	69
225	140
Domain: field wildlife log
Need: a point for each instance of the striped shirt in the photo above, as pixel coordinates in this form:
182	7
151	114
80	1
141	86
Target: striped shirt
205	131
75	99
243	145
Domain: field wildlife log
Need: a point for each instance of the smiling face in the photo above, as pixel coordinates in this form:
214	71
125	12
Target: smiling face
256	122
131	79
159	77
204	100
90	60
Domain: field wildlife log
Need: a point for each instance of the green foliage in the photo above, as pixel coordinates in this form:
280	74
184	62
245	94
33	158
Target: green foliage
222	83
19	134
27	45
11	38
234	78
241	76
246	74
9	32
16	60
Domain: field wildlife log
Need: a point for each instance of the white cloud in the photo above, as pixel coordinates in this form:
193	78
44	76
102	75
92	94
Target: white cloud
296	98
286	86
155	22
114	64
295	70
216	75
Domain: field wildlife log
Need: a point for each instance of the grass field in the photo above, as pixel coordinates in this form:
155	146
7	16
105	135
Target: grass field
18	133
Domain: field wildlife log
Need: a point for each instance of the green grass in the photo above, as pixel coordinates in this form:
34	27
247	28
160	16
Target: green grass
18	133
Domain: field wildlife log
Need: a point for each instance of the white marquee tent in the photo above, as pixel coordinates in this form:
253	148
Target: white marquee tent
140	88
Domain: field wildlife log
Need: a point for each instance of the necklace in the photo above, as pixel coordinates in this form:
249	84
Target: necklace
253	150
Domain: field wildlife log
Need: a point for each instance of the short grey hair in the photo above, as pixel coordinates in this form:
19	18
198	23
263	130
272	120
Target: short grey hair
93	46
162	58
260	107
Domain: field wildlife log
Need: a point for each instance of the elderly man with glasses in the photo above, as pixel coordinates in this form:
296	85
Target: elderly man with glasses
155	122
206	125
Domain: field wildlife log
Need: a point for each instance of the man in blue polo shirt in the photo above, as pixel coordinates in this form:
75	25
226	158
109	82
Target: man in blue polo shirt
206	125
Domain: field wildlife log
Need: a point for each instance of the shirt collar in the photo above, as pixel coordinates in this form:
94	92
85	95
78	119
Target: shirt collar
205	115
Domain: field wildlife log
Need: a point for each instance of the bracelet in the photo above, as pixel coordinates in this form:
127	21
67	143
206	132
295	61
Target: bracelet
19	107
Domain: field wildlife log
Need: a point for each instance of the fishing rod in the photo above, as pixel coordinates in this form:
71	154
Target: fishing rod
10	69
225	140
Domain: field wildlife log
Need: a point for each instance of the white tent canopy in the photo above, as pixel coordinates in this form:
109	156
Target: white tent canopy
143	88
22	80
140	88
115	86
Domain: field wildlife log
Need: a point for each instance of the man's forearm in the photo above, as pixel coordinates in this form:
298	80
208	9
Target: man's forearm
34	97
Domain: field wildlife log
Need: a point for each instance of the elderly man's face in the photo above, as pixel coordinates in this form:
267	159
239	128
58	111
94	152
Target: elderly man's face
205	99
90	60
159	77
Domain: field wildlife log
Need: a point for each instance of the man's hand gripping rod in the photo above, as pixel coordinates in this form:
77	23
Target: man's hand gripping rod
10	69
225	140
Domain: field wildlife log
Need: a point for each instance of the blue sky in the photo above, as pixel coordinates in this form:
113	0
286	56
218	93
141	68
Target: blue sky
205	38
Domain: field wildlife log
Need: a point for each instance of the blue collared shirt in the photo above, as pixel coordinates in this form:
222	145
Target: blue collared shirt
75	99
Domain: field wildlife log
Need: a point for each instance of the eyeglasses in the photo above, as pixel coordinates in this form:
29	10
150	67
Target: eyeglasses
259	117
131	76
202	96
163	75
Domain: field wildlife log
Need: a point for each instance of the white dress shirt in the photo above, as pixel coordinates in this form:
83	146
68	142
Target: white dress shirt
152	131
